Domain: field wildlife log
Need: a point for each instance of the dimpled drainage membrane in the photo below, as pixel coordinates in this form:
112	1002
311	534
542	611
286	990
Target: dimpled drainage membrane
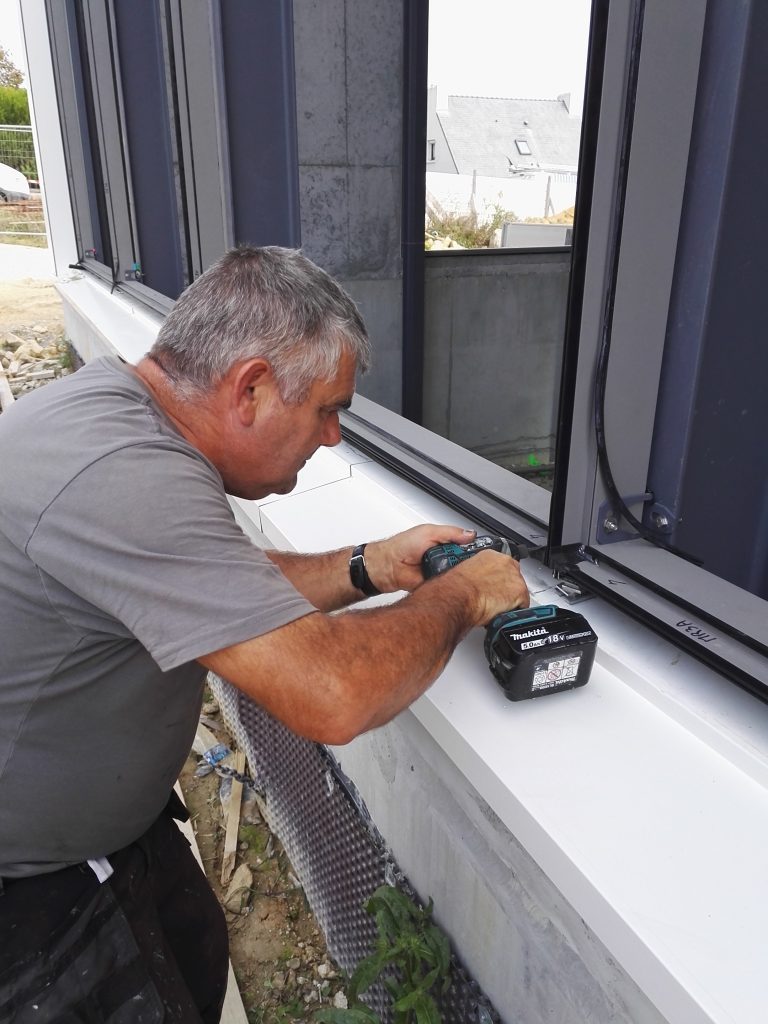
335	849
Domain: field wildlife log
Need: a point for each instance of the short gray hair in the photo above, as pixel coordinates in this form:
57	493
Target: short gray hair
268	302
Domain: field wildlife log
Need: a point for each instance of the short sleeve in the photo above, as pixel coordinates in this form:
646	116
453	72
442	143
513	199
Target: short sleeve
145	536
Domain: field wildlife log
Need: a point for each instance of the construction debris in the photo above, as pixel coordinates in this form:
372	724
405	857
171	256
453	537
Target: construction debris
31	357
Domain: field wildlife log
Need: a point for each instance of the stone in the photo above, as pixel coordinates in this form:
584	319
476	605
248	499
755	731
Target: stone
340	1001
239	892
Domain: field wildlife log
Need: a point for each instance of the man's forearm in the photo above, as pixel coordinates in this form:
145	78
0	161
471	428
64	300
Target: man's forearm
330	678
322	578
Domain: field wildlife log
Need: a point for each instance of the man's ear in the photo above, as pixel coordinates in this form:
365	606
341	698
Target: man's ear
251	382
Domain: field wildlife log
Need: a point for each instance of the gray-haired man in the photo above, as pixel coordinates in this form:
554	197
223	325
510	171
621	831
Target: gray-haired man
125	578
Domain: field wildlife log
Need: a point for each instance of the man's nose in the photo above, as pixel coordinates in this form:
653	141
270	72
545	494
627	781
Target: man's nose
331	431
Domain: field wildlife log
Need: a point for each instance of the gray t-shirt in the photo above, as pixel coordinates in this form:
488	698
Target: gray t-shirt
120	563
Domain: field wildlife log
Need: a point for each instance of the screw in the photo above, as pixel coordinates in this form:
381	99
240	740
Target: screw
659	520
610	524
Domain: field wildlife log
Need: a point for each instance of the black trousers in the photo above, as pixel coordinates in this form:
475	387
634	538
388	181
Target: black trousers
148	945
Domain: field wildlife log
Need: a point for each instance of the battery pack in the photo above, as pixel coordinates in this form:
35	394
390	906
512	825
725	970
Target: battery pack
539	650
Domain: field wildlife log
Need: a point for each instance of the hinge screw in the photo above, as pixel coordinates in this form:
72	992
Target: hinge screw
610	524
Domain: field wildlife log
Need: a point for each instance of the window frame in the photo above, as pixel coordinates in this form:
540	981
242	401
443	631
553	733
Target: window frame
635	62
214	201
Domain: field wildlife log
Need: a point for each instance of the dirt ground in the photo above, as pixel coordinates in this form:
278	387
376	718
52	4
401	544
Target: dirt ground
277	950
28	303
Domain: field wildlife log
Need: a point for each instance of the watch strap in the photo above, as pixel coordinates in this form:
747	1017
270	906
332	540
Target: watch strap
358	573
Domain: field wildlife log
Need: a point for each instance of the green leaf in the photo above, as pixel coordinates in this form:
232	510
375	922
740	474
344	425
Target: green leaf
395	905
386	923
409	1000
366	972
426	1011
429	979
354	1015
394	988
441	947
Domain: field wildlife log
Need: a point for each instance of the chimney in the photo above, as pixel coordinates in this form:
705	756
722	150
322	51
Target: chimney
573	102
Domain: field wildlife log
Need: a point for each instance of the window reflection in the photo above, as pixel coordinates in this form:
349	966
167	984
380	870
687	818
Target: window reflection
504	125
504	107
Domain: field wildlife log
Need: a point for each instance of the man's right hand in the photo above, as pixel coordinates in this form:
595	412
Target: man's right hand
496	580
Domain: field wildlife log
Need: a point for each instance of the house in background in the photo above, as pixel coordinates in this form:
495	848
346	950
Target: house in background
488	152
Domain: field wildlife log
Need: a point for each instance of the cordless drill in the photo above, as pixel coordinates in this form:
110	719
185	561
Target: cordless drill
530	651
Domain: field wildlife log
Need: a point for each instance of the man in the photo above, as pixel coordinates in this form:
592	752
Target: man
125	577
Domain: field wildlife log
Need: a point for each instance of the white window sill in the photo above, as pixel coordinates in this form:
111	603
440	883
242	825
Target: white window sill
643	796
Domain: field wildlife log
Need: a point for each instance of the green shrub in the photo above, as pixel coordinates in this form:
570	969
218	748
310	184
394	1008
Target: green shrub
14	105
464	228
411	956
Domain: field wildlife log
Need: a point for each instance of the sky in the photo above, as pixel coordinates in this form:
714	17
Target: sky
532	49
10	38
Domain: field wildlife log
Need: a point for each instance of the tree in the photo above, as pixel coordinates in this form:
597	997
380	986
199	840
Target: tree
9	73
14	105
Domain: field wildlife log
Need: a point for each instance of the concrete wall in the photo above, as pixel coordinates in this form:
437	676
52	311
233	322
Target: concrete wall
493	347
526	946
349	98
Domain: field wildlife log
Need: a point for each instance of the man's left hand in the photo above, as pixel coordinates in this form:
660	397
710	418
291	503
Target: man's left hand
395	564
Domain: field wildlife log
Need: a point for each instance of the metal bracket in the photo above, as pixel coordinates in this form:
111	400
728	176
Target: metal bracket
572	591
661	519
609	530
134	274
566	584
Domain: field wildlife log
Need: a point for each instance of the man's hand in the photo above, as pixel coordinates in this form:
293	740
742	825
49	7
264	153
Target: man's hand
498	583
395	564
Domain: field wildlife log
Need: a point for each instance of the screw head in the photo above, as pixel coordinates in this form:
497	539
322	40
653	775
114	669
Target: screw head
610	524
659	520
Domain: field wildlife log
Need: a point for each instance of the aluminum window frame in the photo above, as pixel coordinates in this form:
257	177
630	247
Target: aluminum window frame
197	163
630	255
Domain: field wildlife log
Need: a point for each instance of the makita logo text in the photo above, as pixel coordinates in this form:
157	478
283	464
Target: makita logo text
531	632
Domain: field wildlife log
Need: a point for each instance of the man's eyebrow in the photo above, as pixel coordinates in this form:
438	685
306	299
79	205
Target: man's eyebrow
343	403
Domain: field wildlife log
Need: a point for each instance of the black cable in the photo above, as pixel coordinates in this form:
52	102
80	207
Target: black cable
601	371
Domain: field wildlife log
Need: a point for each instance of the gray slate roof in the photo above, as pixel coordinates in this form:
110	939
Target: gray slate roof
481	132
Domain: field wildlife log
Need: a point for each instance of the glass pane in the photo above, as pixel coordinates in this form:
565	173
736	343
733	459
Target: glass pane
506	89
504	104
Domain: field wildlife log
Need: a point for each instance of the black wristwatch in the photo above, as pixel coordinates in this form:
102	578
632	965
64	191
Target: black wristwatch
359	574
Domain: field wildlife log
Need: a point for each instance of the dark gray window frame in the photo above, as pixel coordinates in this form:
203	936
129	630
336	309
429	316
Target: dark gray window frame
216	193
609	256
653	53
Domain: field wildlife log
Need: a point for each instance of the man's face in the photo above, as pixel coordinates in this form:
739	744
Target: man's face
283	437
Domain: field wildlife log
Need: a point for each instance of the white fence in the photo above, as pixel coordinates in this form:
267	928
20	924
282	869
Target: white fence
21	220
